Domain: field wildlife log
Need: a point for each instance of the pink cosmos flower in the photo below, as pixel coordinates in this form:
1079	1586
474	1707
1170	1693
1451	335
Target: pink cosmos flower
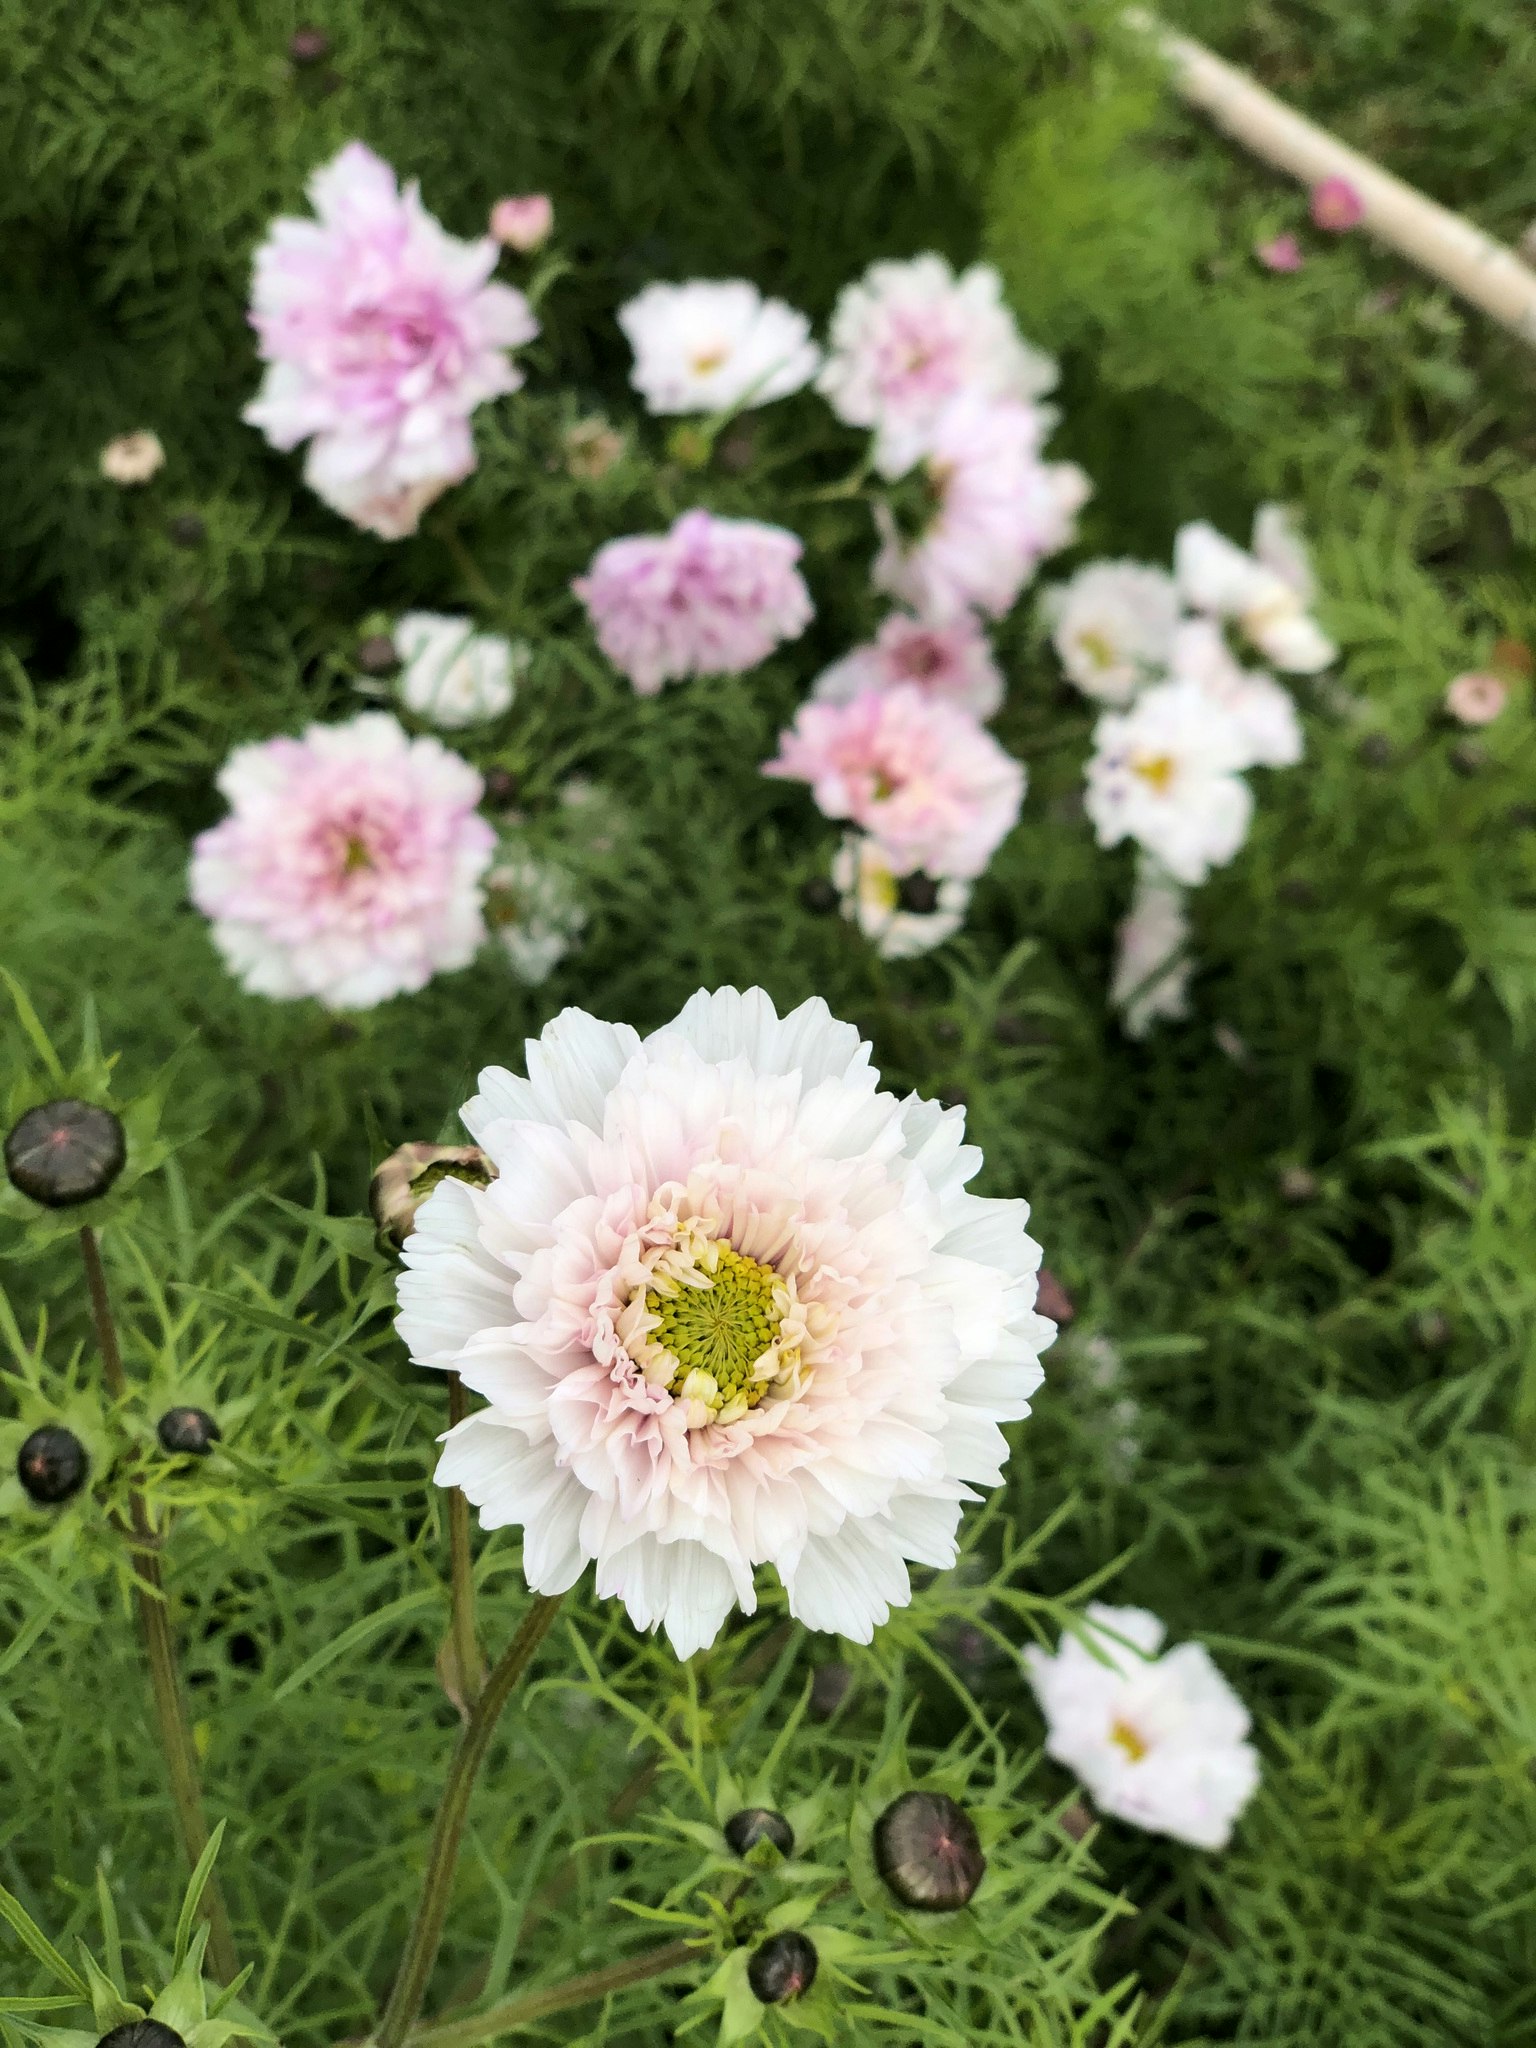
925	779
908	337
711	597
350	865
1475	699
998	512
952	664
382	334
1283	253
1336	206
524	222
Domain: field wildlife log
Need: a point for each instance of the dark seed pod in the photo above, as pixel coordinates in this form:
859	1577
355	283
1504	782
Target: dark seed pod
830	1686
309	46
187	1432
1375	750
819	896
188	531
781	1968
52	1465
376	655
1469	759
756	1824
928	1852
142	2034
65	1152
409	1175
501	785
919	894
1298	892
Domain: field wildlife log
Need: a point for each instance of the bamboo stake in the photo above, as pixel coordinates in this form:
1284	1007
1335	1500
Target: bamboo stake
1445	244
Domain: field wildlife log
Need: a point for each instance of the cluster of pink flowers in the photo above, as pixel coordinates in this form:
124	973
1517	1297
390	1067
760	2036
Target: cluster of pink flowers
709	597
382	334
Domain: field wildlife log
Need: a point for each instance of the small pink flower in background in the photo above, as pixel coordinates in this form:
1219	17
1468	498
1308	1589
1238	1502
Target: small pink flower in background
1475	699
925	779
952	663
710	597
1336	206
350	867
132	458
998	512
1282	252
381	334
523	223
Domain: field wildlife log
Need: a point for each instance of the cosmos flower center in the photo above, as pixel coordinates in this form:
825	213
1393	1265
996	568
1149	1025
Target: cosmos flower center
1124	1736
1098	647
924	658
710	358
720	1323
1156	769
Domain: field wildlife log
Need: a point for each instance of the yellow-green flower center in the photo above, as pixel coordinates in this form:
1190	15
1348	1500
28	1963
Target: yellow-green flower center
719	1331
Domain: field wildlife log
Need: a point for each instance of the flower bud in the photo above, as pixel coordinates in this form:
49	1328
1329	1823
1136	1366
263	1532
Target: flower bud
309	46
756	1824
830	1686
65	1152
523	222
1052	1299
781	1968
142	2034
187	530
376	655
918	894
819	896
52	1464
1297	1185
409	1175
928	1852
187	1432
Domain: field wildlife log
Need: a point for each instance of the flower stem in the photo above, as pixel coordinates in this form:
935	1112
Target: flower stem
410	1986
534	2005
159	1644
466	1649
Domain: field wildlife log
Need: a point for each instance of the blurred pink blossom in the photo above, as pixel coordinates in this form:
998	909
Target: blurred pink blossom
1283	252
924	778
350	867
953	663
381	334
710	597
1476	699
1336	206
524	222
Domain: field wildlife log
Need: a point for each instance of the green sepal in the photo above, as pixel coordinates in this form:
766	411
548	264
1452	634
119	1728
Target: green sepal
183	2004
108	2004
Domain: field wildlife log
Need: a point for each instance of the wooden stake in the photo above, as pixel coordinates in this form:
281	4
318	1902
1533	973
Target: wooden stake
1445	244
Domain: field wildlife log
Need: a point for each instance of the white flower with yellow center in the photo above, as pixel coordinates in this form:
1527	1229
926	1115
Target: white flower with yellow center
729	1304
903	914
1112	626
1165	773
710	346
1267	594
453	675
1157	1740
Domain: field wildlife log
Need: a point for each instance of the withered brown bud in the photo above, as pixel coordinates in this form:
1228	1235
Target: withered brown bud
409	1175
830	1686
65	1152
928	1852
309	46
1052	1299
755	1824
377	655
781	1968
1075	1820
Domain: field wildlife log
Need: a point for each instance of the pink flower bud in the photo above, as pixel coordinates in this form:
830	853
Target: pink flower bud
1336	206
523	223
1476	699
1282	253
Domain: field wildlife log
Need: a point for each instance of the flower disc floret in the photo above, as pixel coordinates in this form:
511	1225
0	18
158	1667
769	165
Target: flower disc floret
728	1304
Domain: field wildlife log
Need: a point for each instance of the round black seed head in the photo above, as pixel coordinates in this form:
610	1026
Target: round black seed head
919	894
188	531
142	2034
187	1432
819	896
501	785
52	1464
759	1824
1376	750
309	46
376	655
65	1152
927	1850
781	1968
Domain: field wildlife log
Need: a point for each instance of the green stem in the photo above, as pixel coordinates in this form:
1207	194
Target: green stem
466	1648
512	2013
410	1986
159	1644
